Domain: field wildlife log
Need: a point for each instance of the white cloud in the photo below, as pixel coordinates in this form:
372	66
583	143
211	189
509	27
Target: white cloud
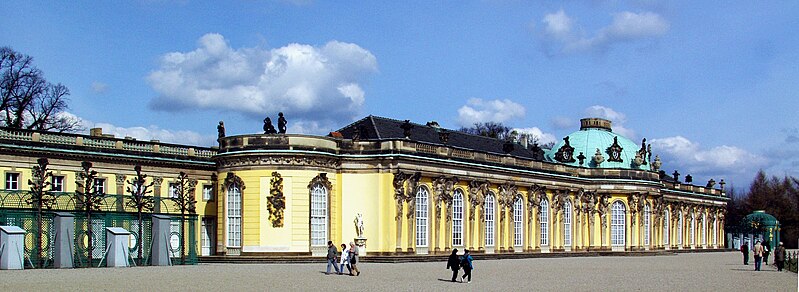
618	119
99	87
561	36
478	110
691	158
561	122
308	83
148	133
542	137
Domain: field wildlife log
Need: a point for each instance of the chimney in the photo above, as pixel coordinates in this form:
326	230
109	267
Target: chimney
96	132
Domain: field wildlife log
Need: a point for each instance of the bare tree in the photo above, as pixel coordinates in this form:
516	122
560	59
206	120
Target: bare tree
27	100
138	190
187	204
490	129
41	198
89	198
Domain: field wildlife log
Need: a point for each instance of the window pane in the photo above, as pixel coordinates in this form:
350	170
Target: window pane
421	217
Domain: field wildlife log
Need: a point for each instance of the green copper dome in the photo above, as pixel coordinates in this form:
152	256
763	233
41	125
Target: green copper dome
595	135
761	217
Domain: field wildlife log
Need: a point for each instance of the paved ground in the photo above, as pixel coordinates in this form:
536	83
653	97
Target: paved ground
684	272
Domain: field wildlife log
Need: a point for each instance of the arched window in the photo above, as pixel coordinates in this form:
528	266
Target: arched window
617	224
489	219
647	218
692	236
567	223
679	229
543	218
318	215
234	215
518	216
457	218
666	228
715	231
421	217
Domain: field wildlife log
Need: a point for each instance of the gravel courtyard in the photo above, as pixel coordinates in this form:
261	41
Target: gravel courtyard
683	272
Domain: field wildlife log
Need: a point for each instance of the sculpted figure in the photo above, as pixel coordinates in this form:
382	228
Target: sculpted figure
359	225
399	191
220	130
281	123
268	127
410	193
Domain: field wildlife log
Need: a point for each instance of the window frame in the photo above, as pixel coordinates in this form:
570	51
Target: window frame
320	210
543	220
457	218
518	222
233	209
8	181
210	187
567	223
618	224
57	180
422	216
647	224
100	187
489	219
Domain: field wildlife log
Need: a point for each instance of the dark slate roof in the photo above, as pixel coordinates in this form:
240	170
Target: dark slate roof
376	128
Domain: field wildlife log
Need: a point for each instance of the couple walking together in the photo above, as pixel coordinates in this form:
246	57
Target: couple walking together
349	258
456	262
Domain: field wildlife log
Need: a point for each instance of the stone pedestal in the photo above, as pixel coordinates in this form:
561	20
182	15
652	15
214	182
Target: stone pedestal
12	248
117	245
360	242
64	241
160	246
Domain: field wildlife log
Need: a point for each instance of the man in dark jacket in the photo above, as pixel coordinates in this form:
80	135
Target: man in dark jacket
454	263
779	257
466	263
745	251
332	252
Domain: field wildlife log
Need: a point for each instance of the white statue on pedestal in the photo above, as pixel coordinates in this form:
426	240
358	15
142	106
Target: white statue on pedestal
359	225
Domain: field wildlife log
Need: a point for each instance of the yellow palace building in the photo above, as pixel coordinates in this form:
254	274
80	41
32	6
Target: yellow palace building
401	188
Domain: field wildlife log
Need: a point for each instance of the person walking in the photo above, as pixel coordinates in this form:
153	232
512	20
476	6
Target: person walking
766	246
332	252
745	252
354	259
466	263
345	260
758	252
454	263
779	257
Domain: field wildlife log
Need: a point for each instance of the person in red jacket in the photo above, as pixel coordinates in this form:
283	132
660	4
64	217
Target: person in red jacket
745	252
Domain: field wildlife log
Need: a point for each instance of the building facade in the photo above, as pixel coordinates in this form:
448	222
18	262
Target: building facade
401	188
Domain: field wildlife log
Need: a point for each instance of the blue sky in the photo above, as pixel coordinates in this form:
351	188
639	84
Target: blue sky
713	87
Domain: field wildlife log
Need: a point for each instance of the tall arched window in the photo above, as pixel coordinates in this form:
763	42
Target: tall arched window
715	231
679	228
647	218
543	218
318	215
518	216
666	229
704	229
457	218
617	224
692	236
567	223
421	217
234	215
489	219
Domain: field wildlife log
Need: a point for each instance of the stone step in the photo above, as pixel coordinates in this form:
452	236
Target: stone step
437	258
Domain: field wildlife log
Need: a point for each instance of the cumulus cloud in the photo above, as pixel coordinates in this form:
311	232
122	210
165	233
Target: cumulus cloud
560	34
540	136
618	119
320	84
562	123
478	110
720	161
147	133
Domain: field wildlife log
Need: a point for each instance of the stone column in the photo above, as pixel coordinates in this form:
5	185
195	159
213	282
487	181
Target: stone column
436	225
411	230
500	243
120	180
157	180
448	227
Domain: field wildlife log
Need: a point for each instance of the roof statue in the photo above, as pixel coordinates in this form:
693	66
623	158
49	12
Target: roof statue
268	127
281	123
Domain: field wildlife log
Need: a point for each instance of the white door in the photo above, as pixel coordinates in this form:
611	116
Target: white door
207	236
